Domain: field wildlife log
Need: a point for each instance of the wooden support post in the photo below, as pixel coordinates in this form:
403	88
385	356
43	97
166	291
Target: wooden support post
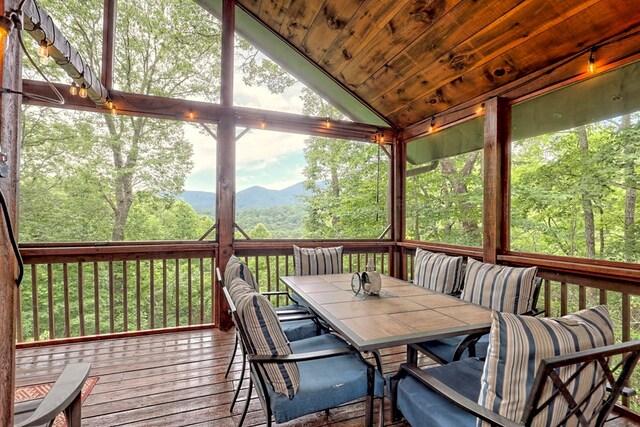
226	158
497	148
397	264
11	77
108	42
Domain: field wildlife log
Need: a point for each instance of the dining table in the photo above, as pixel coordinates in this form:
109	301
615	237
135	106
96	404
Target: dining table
400	314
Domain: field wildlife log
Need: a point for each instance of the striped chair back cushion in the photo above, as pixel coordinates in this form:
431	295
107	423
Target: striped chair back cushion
238	287
312	261
262	327
506	289
235	269
517	344
438	272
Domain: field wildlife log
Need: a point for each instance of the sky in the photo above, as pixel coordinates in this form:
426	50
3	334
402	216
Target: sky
273	160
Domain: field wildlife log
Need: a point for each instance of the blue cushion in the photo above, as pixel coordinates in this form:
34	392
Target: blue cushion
324	383
424	407
299	329
445	348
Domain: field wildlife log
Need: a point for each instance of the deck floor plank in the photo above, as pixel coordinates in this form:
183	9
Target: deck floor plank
177	379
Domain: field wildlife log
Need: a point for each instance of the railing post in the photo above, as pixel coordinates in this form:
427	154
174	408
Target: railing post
226	158
10	122
497	128
397	260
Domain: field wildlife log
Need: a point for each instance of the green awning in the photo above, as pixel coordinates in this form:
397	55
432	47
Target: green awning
607	95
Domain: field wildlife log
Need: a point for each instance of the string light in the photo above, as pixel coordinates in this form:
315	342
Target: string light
191	114
432	126
591	62
480	109
113	109
73	90
328	123
43	52
83	91
109	103
263	124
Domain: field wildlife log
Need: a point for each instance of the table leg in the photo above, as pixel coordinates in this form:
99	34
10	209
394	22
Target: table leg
412	355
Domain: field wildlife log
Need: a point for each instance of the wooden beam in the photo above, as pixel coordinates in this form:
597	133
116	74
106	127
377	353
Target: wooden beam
39	24
108	42
178	109
10	122
226	158
497	126
398	206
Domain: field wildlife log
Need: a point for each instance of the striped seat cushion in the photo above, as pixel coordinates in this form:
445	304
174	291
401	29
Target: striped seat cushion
312	261
265	335
438	272
235	269
517	344
506	289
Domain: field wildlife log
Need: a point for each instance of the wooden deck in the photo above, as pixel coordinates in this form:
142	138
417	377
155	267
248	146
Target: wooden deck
173	379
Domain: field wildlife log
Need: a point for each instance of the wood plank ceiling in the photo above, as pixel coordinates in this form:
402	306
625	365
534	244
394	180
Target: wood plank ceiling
412	59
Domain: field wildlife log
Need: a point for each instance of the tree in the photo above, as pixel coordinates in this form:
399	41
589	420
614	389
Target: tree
156	54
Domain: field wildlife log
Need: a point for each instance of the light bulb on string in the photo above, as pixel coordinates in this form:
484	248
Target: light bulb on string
328	123
263	124
73	90
83	91
109	103
591	62
191	115
43	52
432	126
480	109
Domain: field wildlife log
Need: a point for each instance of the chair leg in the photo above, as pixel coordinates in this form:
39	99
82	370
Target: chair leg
233	356
393	388
368	415
237	392
246	404
73	412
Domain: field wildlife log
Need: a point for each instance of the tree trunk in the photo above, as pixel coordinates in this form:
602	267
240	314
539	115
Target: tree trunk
587	203
456	179
124	165
631	196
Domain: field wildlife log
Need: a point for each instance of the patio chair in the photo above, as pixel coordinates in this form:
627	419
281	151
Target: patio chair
64	397
506	289
293	379
552	372
297	325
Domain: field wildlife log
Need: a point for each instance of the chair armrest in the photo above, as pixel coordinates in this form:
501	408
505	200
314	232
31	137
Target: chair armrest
291	311
66	389
271	293
456	398
301	357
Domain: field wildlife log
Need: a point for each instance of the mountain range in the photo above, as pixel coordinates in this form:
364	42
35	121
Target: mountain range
255	197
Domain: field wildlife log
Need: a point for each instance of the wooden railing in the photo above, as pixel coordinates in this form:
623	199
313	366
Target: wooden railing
83	290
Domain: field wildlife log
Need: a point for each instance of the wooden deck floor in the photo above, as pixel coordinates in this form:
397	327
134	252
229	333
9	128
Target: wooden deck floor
173	379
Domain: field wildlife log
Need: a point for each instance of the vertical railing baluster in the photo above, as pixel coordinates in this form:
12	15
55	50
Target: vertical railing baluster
177	292
65	283
358	255
256	270
626	317
18	308
202	291
111	298
213	287
286	264
603	297
164	293
563	299
269	274
125	298
34	301
96	298
582	297
350	262
547	297
138	299
189	293
152	295
81	298
52	329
